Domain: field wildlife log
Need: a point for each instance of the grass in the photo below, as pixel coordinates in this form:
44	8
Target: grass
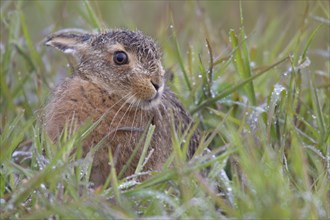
257	83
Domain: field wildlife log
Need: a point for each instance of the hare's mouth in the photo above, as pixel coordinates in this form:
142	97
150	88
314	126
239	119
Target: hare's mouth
149	103
156	96
145	103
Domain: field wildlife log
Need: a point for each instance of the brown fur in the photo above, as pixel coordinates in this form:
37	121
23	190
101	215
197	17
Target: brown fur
125	95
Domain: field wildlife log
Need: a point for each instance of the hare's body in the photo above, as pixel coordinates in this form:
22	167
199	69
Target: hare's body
119	80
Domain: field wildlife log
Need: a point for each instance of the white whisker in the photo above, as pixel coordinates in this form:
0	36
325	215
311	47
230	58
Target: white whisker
128	109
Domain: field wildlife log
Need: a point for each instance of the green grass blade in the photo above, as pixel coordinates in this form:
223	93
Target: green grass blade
179	56
318	112
92	15
242	64
145	149
303	57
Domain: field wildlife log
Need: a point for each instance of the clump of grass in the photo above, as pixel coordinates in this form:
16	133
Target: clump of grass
262	105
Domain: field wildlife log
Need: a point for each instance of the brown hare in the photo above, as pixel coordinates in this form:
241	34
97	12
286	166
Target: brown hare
119	78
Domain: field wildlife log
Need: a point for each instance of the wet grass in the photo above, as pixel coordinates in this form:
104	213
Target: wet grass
257	83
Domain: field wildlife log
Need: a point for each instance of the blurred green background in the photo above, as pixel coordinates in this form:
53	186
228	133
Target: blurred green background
271	28
194	20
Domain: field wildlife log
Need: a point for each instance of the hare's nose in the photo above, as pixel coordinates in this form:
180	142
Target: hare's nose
156	85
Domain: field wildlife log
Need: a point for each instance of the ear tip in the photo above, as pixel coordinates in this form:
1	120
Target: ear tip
47	41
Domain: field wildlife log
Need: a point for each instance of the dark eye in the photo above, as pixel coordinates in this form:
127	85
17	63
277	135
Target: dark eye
120	58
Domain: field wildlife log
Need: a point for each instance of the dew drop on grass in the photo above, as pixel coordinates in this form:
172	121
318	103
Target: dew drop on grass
275	96
199	76
304	64
43	186
246	131
253	120
128	184
10	206
171	26
286	73
278	88
252	64
2	48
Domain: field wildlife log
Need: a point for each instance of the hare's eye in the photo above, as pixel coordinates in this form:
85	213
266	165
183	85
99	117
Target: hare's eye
120	58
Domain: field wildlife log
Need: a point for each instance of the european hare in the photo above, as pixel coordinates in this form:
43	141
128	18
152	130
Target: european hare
119	77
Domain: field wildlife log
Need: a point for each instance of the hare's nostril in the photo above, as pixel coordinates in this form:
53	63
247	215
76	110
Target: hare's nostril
156	86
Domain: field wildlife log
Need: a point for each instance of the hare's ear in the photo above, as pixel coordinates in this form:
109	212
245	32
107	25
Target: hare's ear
71	43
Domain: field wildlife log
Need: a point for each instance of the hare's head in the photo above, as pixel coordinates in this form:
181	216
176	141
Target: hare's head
122	62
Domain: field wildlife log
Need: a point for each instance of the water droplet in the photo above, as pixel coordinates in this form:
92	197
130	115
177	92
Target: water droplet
291	55
171	26
304	64
278	88
10	206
